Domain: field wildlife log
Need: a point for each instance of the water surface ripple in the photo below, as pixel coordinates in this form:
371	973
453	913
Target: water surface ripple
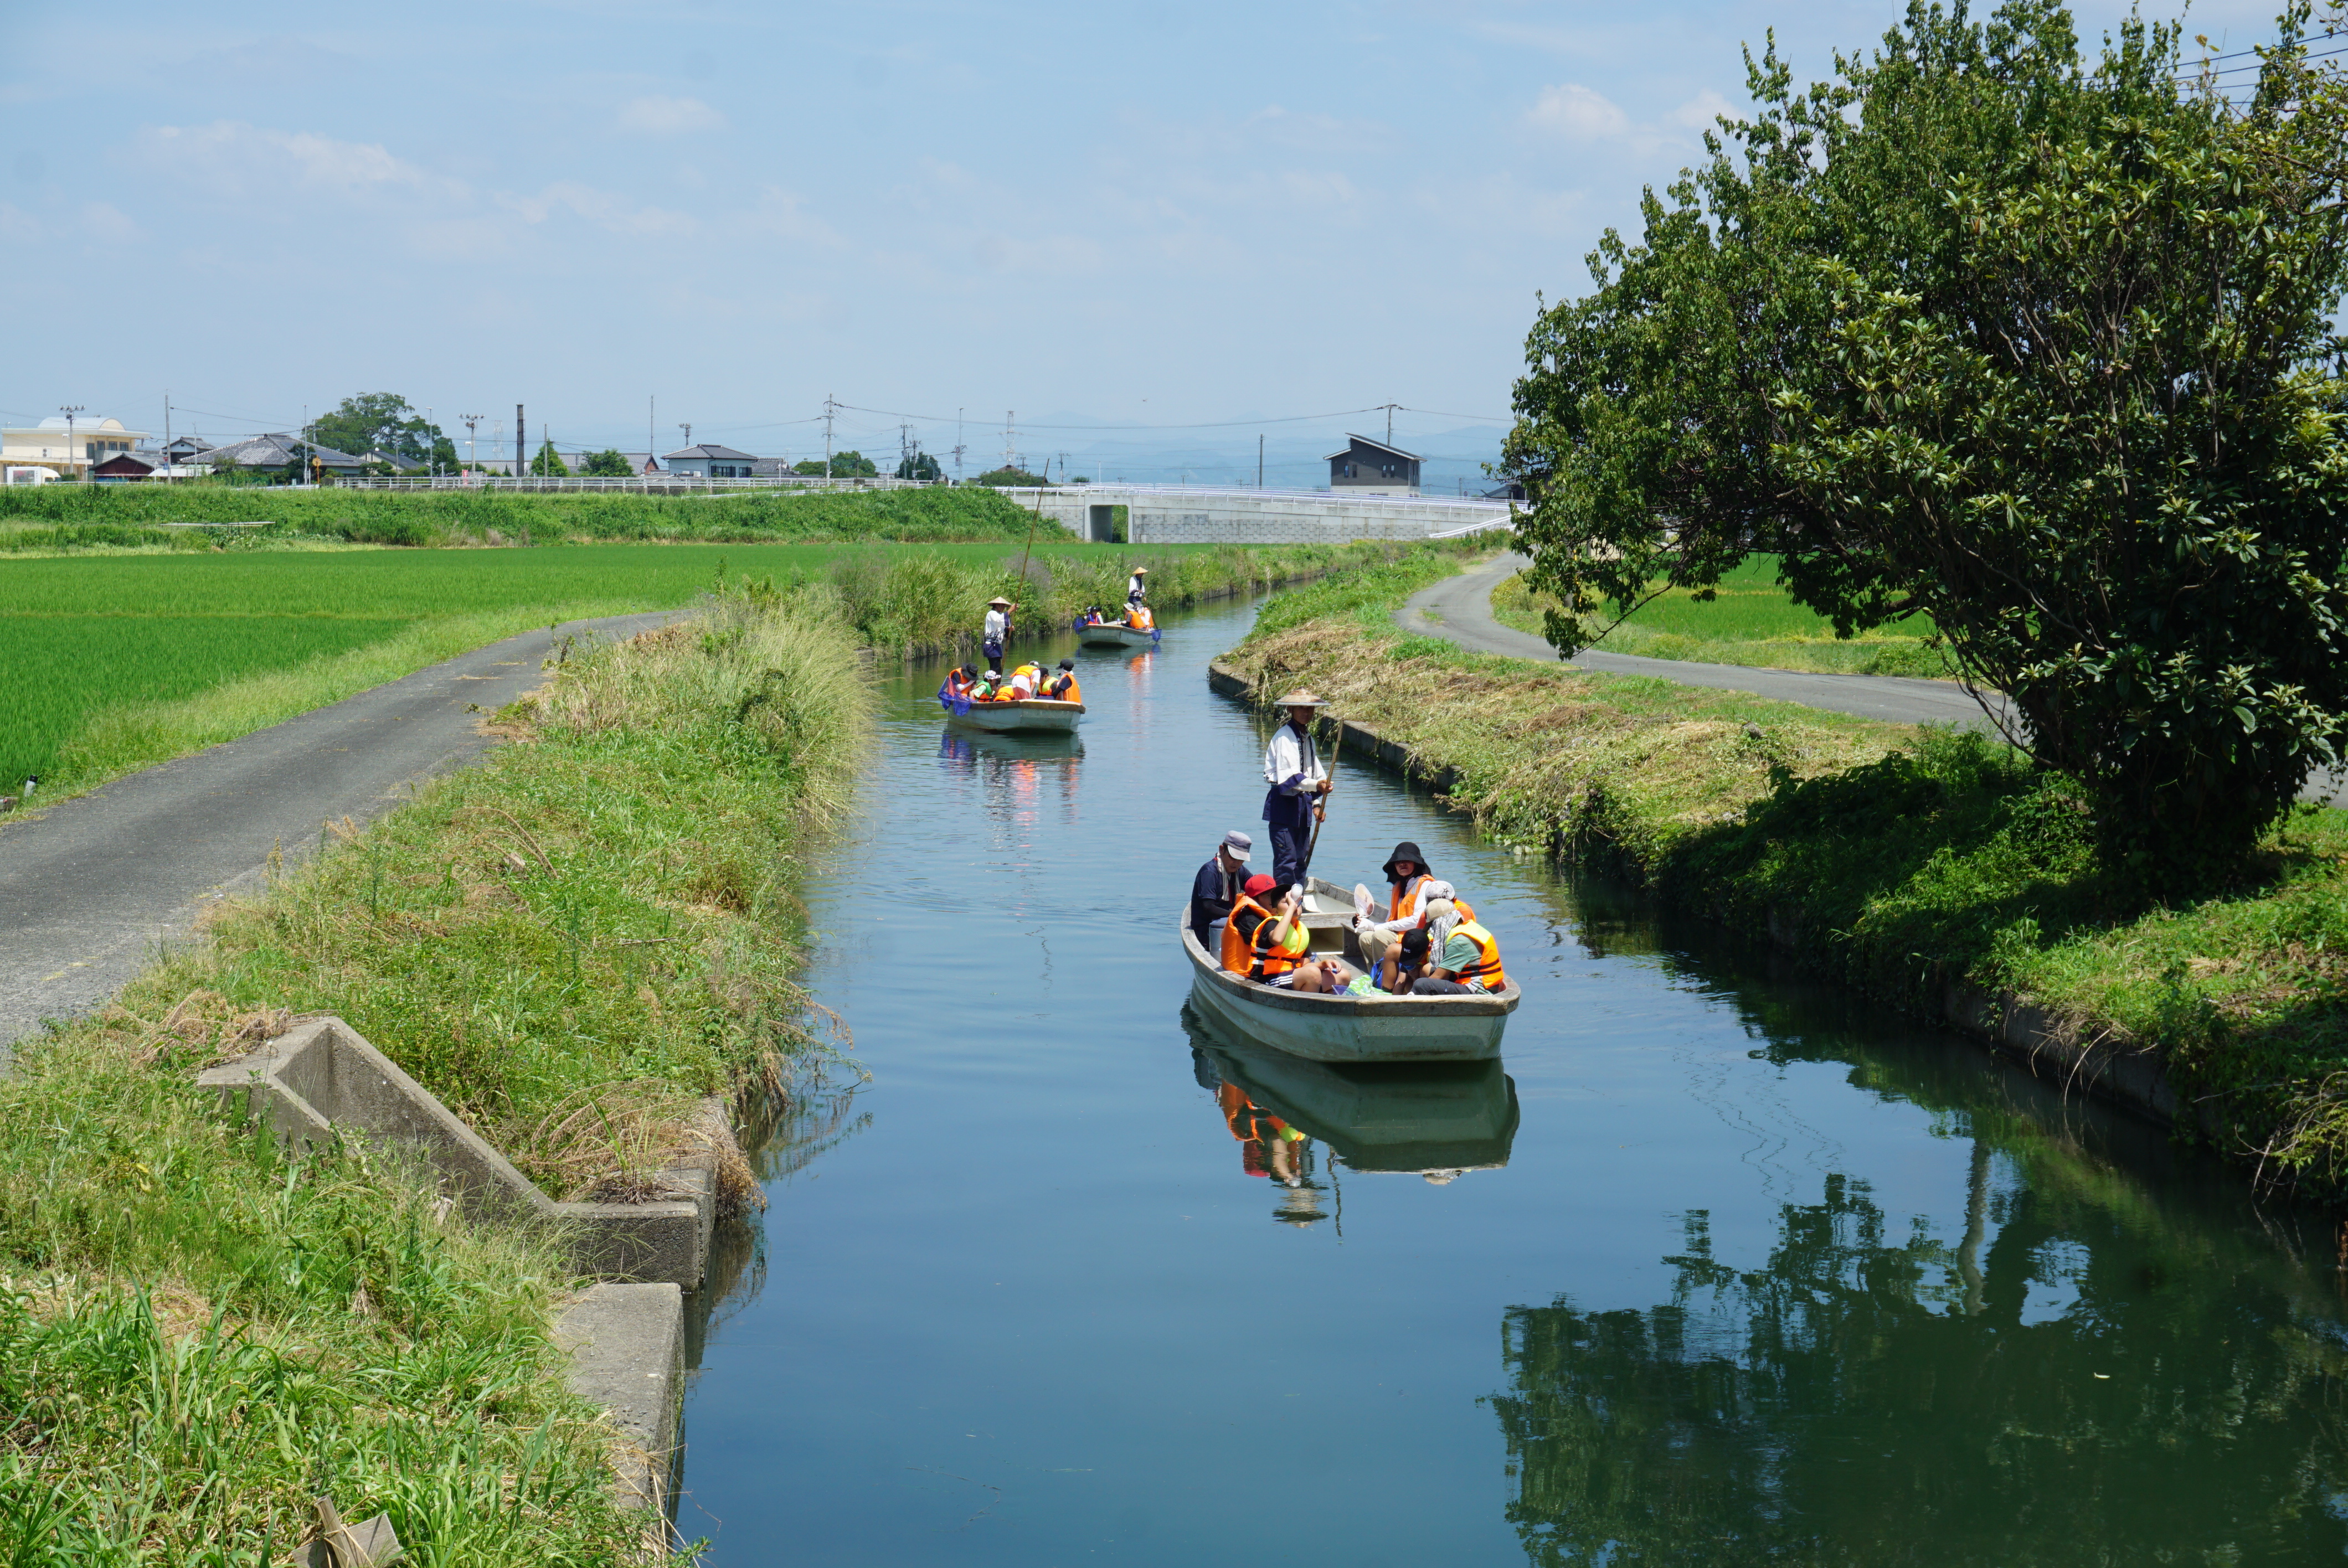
1716	1267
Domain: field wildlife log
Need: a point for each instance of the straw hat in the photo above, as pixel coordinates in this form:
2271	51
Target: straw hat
1141	571
998	599
1302	699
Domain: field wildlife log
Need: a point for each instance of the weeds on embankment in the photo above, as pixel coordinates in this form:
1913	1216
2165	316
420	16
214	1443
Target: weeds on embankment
575	942
1895	859
199	1334
1750	620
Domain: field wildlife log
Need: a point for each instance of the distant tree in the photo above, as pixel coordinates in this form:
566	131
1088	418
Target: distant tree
385	421
920	465
547	465
1002	477
608	463
849	465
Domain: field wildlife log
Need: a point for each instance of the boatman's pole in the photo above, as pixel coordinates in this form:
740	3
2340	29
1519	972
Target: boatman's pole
1321	808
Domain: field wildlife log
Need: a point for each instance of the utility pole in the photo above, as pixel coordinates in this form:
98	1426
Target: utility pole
829	407
166	427
1390	407
905	450
1007	433
1259	460
69	413
958	448
472	423
651	407
520	468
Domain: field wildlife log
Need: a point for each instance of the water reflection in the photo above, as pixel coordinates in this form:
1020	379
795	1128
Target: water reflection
2059	1383
1434	1120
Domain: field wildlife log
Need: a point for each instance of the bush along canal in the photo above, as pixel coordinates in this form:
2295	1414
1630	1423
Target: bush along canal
1717	1265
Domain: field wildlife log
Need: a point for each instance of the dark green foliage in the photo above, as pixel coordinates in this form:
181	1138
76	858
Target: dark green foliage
920	465
2036	351
849	465
383	421
547	464
1008	475
607	464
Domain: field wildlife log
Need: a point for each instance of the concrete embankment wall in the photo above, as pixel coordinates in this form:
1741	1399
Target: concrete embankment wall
2051	1047
1254	517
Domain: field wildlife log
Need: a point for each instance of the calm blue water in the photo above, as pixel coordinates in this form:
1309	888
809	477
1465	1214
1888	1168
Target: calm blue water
1718	1268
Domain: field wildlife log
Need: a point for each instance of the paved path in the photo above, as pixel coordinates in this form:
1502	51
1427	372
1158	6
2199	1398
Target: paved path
91	889
1462	611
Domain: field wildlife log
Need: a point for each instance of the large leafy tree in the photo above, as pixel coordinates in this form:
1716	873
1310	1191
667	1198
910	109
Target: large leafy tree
383	421
609	464
2041	351
549	464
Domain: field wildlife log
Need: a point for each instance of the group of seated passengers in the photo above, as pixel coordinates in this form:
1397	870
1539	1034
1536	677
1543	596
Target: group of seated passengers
1136	615
1026	681
1431	944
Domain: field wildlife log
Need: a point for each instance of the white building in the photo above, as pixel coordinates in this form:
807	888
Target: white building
69	452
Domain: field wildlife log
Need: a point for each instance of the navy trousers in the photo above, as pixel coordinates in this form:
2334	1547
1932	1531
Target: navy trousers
993	651
1288	846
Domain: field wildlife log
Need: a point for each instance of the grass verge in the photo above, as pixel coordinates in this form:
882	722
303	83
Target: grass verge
1751	619
1894	859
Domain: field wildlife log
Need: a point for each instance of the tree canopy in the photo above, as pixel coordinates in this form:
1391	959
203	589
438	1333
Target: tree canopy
2040	351
549	464
383	421
920	465
849	465
608	463
1018	477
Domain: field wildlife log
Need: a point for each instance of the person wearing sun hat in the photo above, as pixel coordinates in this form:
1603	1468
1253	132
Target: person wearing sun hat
998	629
1298	784
1216	886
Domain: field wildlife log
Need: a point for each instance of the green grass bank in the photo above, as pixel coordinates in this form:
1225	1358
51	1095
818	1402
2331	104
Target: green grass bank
569	945
1902	862
119	662
1750	620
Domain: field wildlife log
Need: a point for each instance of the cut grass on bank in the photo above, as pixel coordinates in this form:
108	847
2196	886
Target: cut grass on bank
1894	859
1753	620
144	659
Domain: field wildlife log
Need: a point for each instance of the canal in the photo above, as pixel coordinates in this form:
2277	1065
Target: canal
1715	1267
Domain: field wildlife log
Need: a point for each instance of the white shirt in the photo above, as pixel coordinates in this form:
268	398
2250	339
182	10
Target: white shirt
1133	588
1024	684
997	623
1288	755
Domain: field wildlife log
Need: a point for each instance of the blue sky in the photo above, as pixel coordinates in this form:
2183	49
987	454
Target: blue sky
1091	214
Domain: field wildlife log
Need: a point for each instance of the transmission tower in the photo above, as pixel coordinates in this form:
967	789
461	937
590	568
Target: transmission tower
1007	433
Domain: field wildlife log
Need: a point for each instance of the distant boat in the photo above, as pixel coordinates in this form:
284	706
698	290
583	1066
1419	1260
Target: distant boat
1344	1027
1113	634
1029	713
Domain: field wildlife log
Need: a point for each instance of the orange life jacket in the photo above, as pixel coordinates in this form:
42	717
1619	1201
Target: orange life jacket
1069	691
1487	969
1404	901
1141	617
1235	947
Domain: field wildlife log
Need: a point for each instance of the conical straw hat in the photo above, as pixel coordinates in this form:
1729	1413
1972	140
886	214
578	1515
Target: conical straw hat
1302	699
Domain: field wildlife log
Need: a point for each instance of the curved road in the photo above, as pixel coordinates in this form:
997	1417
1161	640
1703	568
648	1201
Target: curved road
92	888
1460	609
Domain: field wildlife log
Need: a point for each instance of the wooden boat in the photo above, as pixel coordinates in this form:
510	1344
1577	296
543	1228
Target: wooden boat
1029	713
1115	634
1344	1027
1433	1118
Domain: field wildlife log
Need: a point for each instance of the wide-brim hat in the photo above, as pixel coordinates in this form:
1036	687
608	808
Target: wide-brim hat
1302	699
1405	850
998	599
1141	571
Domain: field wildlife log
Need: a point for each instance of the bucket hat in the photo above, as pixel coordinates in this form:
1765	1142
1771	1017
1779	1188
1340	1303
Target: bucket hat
1409	851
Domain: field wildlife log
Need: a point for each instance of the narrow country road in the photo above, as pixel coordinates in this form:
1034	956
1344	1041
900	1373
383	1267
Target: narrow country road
1461	611
90	890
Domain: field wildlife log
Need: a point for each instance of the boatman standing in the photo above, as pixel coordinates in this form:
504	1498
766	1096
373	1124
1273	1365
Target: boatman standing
1298	786
998	630
1137	589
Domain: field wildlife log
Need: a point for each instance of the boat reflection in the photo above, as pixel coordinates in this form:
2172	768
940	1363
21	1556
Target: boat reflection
968	749
1436	1120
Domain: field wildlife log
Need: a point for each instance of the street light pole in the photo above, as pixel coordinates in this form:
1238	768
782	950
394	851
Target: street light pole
69	414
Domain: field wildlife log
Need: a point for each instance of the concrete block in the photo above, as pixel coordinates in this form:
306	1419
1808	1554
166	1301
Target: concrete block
321	1078
627	1355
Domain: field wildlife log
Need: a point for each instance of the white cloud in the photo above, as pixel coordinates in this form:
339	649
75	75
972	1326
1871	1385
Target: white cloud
600	207
658	116
234	156
108	223
1578	111
1700	111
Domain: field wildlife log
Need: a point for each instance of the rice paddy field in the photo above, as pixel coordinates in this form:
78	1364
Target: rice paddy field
1752	621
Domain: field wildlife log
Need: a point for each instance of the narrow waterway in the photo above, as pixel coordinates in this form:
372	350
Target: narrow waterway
1715	1267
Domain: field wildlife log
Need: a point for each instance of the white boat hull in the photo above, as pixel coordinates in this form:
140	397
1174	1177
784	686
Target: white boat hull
1035	714
1346	1027
1113	637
